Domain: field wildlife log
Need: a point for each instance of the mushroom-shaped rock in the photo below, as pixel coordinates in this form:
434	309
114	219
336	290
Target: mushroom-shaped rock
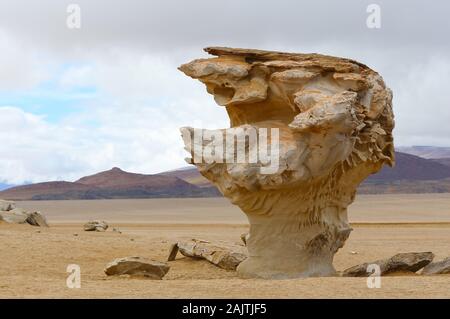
137	266
306	130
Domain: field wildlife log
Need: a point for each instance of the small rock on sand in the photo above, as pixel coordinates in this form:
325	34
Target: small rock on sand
6	205
137	266
37	219
222	255
404	262
96	225
439	267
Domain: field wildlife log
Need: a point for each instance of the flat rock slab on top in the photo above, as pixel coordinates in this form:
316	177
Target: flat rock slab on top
403	262
439	267
137	266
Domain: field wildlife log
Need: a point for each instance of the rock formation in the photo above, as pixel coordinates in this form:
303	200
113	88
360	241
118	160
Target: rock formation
439	267
225	256
96	225
403	262
137	266
334	126
14	215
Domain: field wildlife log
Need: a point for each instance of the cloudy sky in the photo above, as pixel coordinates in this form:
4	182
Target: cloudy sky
78	101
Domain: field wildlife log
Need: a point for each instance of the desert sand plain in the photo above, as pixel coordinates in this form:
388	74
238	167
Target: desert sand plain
34	260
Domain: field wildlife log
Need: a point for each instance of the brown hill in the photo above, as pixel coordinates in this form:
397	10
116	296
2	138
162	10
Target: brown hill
411	174
28	191
443	161
111	184
190	175
117	178
410	167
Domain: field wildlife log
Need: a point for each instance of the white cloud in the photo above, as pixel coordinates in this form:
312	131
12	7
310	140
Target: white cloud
20	68
133	122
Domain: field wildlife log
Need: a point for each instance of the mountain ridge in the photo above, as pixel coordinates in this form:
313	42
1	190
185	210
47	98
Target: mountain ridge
412	174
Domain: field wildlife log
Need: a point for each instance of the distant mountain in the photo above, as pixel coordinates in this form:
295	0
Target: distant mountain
443	161
411	174
426	151
190	175
111	184
410	167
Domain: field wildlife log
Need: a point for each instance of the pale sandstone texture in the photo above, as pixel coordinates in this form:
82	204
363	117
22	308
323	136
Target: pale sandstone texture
137	266
9	213
403	262
439	267
226	256
335	124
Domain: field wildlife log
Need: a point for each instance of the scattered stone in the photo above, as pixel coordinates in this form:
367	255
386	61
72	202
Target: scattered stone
37	219
403	262
116	230
354	252
7	205
439	267
137	266
224	256
96	225
14	216
75	234
173	251
132	239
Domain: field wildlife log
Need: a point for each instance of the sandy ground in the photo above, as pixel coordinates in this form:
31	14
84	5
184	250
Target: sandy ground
34	260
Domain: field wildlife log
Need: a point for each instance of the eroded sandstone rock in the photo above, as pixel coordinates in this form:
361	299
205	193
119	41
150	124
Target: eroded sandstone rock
7	205
436	268
14	215
96	225
334	121
225	256
403	262
137	266
37	219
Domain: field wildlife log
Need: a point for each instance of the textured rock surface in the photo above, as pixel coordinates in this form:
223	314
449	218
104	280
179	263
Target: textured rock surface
11	214
7	205
224	256
137	266
37	219
404	262
95	225
439	267
14	216
335	126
